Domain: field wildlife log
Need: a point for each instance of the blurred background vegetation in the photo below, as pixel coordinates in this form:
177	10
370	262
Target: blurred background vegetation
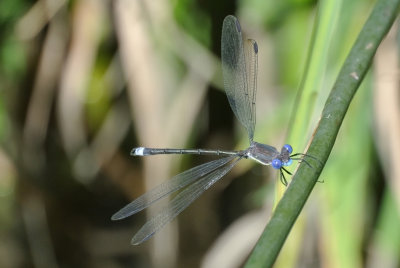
83	82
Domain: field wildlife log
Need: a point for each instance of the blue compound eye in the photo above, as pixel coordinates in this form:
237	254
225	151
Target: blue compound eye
287	163
288	148
276	163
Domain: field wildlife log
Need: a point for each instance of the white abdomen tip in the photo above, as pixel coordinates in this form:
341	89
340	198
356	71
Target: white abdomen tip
139	151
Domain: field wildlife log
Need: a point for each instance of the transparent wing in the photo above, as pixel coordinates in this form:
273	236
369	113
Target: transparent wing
235	73
180	202
177	182
252	71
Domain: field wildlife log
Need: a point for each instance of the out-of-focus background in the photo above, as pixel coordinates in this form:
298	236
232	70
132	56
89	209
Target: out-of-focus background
83	82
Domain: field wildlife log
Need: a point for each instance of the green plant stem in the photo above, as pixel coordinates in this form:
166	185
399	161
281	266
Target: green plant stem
350	77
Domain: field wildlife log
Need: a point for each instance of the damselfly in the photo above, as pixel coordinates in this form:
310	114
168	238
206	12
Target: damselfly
239	66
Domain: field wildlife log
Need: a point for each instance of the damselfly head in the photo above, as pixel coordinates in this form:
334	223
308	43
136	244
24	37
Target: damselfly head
283	159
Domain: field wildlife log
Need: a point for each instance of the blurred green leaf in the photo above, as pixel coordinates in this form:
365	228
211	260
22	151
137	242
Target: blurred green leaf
189	15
